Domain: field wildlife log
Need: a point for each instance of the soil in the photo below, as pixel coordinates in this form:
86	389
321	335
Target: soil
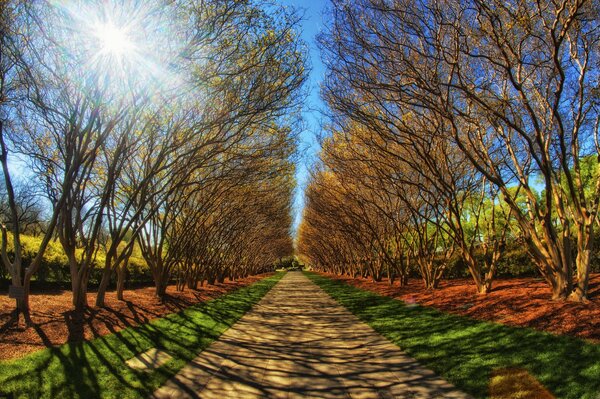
55	321
522	302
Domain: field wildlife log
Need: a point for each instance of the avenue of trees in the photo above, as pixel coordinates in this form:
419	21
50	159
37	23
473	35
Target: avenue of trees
175	137
458	128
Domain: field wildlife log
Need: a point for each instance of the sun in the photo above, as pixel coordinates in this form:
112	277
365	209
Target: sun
123	47
113	40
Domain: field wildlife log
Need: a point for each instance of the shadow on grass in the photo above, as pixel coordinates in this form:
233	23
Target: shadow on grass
97	368
467	351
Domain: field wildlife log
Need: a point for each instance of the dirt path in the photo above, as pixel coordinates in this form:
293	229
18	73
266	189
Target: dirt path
296	343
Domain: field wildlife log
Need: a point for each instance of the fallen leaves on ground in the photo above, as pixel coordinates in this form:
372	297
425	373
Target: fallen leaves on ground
513	383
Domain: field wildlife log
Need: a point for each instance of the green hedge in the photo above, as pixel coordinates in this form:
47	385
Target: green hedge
55	269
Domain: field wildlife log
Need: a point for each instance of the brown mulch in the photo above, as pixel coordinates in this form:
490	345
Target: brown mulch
522	302
55	321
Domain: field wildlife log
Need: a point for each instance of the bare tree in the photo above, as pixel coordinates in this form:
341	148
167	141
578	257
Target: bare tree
512	84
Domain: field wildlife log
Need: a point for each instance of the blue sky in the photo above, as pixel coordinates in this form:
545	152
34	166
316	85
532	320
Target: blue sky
309	146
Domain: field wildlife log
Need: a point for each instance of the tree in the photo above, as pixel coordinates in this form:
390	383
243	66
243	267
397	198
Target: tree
140	150
13	67
28	207
513	84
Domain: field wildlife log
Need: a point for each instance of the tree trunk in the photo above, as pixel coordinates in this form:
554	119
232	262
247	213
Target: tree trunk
481	285
580	291
80	297
484	288
403	280
121	273
161	290
191	281
22	305
558	282
585	243
405	269
104	282
181	277
491	274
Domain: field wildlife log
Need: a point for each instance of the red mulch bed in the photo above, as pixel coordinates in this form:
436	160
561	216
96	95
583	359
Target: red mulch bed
522	302
55	322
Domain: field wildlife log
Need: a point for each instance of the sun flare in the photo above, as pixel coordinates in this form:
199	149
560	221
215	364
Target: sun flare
113	40
121	46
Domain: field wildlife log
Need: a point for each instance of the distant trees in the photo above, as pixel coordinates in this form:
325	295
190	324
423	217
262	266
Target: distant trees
28	206
481	113
184	150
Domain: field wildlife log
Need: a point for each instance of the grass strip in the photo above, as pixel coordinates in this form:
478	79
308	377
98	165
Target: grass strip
467	352
97	368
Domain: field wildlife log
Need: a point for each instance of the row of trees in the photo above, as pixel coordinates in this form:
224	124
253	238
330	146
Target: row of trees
163	125
457	127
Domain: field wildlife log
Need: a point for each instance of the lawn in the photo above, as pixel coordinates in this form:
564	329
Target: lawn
469	352
97	368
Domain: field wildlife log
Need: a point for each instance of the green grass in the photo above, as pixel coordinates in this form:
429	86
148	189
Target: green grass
97	368
466	351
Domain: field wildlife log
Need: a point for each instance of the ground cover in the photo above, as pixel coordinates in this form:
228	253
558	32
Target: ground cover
97	368
55	321
520	302
473	354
